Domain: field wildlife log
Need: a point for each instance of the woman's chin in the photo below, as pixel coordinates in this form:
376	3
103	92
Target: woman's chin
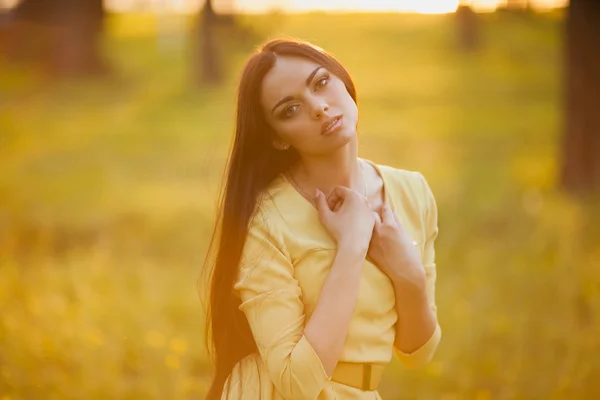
344	138
343	132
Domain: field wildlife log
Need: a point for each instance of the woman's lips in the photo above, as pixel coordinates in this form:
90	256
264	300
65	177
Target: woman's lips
332	125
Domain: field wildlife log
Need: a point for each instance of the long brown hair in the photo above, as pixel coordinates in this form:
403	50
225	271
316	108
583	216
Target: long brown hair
252	165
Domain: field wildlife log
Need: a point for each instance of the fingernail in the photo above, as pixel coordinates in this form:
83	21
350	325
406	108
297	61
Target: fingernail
317	193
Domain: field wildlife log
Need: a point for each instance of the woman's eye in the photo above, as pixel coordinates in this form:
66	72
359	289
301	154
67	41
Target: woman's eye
322	82
289	111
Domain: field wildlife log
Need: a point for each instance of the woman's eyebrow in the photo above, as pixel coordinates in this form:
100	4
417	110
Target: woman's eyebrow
308	80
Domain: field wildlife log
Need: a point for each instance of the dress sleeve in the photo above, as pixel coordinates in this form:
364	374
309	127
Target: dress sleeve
425	353
270	299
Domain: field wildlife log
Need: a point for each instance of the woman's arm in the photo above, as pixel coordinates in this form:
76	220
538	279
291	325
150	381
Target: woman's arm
327	328
418	331
299	367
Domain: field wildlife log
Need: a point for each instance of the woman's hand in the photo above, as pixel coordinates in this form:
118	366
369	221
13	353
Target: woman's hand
351	222
394	252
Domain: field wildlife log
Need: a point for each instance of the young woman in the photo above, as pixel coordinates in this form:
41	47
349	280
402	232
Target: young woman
325	260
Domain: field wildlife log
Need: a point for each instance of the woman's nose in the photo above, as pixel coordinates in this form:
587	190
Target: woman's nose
320	109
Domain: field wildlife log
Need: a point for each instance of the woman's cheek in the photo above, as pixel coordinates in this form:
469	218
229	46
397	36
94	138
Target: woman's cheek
289	131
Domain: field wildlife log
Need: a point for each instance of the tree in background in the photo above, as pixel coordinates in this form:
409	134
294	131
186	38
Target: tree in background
61	36
581	142
517	4
210	70
467	25
218	35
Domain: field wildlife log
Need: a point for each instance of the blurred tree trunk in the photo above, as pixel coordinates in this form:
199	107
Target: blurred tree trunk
468	31
581	142
216	37
517	4
62	36
209	71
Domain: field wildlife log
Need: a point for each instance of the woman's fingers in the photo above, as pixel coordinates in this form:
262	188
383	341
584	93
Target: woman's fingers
322	208
396	218
333	200
377	219
387	215
338	195
390	217
342	191
401	228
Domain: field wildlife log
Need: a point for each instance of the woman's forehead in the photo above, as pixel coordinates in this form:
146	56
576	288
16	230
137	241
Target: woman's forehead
287	75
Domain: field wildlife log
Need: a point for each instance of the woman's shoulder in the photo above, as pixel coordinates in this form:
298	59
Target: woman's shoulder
405	182
409	191
280	201
267	209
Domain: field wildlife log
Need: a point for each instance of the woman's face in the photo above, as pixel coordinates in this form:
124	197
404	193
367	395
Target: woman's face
300	99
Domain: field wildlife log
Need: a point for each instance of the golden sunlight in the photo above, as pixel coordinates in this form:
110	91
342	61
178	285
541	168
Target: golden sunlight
418	6
299	6
415	6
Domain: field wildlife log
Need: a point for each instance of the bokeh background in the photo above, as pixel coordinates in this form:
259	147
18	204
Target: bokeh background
116	119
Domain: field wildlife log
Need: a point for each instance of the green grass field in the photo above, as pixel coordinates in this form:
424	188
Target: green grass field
108	189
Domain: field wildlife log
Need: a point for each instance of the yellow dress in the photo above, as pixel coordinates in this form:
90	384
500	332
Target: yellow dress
285	262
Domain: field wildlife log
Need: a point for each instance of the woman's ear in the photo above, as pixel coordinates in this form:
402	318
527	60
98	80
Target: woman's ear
277	142
281	145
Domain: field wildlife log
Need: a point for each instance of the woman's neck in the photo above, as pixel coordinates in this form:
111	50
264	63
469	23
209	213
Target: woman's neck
325	173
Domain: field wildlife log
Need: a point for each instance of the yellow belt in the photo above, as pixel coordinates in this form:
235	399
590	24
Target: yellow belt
364	376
